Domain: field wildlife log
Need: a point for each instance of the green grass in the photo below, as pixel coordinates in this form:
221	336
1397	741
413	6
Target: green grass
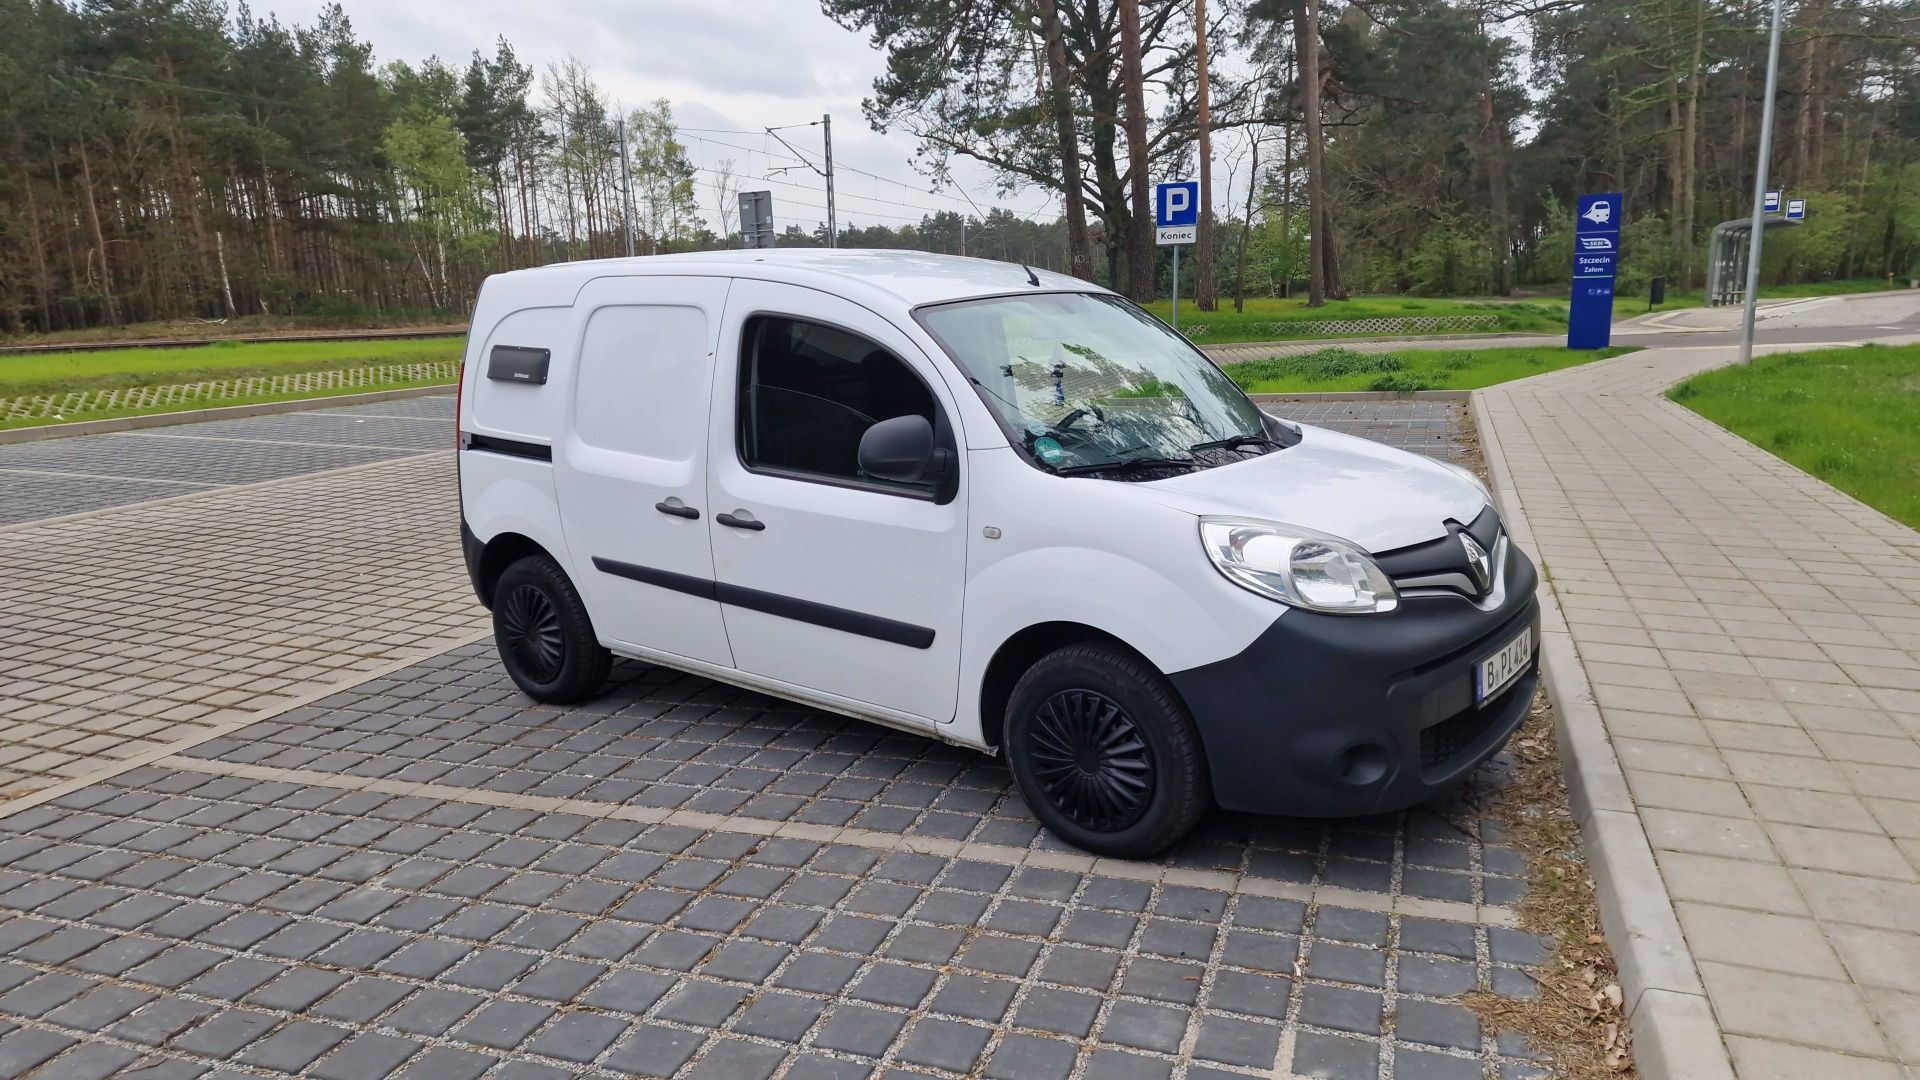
1256	323
1849	416
1334	369
28	374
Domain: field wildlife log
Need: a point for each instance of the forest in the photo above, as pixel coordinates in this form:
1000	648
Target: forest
165	159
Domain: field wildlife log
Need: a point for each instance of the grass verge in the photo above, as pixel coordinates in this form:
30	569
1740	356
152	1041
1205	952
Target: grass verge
1849	416
1335	369
1268	319
219	403
176	329
34	374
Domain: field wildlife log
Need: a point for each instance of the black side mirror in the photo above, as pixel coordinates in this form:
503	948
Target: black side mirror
901	450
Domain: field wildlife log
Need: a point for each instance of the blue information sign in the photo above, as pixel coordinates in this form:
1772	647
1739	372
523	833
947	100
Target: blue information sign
1796	209
1596	257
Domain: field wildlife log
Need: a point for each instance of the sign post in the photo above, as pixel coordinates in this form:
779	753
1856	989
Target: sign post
1596	256
1176	222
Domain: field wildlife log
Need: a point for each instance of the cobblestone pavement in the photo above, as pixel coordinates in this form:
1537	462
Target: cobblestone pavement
92	472
123	632
1752	638
427	874
421	873
1434	427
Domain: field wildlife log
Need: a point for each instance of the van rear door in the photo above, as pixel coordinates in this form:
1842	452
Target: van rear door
631	468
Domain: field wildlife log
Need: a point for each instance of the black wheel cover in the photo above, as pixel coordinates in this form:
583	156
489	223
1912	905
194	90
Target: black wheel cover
1092	761
530	625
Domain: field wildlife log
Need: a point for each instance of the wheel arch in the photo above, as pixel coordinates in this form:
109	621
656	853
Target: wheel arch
1025	648
499	553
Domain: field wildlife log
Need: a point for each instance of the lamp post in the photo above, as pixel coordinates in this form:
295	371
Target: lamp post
1760	187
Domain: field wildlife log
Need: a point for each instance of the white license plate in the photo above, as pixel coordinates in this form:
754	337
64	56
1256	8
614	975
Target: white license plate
1490	676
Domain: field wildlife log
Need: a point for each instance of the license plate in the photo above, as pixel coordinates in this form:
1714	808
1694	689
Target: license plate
1490	676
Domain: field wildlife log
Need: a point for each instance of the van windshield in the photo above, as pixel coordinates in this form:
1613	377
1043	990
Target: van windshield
1087	382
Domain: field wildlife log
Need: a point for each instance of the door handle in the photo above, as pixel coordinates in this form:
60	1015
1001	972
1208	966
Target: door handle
677	510
747	523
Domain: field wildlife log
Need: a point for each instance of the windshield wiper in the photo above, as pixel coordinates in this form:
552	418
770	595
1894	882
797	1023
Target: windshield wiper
1126	465
1235	442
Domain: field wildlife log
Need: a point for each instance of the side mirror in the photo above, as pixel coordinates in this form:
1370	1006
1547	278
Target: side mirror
901	450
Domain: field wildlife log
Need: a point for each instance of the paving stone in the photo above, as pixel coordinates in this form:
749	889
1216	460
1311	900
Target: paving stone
366	1055
785	1017
1149	1027
652	1050
857	1029
1437	1024
1337	1007
1332	1057
1028	1057
578	1036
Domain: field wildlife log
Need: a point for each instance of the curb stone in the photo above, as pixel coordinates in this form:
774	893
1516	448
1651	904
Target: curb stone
1675	1035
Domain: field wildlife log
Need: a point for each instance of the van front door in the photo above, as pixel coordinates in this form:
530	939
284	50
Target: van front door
832	581
632	470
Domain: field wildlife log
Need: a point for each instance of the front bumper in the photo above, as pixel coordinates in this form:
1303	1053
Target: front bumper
1340	715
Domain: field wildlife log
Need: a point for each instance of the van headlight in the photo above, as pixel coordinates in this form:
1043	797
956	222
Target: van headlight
1297	566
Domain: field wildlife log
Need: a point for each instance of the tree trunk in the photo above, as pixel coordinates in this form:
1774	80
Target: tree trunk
1246	231
1060	95
1307	36
1493	143
1203	287
109	307
1140	240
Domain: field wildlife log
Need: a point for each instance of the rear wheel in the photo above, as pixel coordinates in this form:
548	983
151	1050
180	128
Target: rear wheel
1104	752
545	638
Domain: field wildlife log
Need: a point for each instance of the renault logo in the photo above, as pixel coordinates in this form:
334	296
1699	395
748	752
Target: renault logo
1477	562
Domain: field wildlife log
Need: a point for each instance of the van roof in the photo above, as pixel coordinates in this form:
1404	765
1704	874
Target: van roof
909	277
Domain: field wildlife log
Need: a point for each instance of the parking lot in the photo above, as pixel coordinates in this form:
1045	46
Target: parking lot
278	811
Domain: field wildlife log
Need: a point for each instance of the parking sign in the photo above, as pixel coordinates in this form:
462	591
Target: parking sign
1176	211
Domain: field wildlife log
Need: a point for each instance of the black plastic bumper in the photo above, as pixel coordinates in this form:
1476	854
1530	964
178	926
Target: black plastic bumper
1336	716
471	548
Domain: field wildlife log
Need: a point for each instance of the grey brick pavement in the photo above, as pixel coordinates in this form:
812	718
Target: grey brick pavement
426	875
174	917
1434	427
1752	640
123	632
92	472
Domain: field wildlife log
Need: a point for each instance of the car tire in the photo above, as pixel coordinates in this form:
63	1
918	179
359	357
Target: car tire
545	638
1104	752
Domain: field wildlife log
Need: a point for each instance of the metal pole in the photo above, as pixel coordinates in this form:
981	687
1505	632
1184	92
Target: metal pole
1760	188
626	186
1176	286
833	225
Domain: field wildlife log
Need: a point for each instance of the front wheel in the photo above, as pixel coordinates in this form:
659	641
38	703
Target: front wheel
1104	752
545	638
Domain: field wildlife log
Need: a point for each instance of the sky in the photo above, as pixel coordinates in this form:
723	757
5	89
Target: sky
729	65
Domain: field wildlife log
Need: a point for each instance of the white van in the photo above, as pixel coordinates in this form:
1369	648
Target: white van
999	507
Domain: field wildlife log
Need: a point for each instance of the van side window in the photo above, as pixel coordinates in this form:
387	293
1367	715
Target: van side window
809	391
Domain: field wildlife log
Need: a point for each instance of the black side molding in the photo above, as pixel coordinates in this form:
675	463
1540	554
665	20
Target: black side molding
833	618
665	579
786	607
510	447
